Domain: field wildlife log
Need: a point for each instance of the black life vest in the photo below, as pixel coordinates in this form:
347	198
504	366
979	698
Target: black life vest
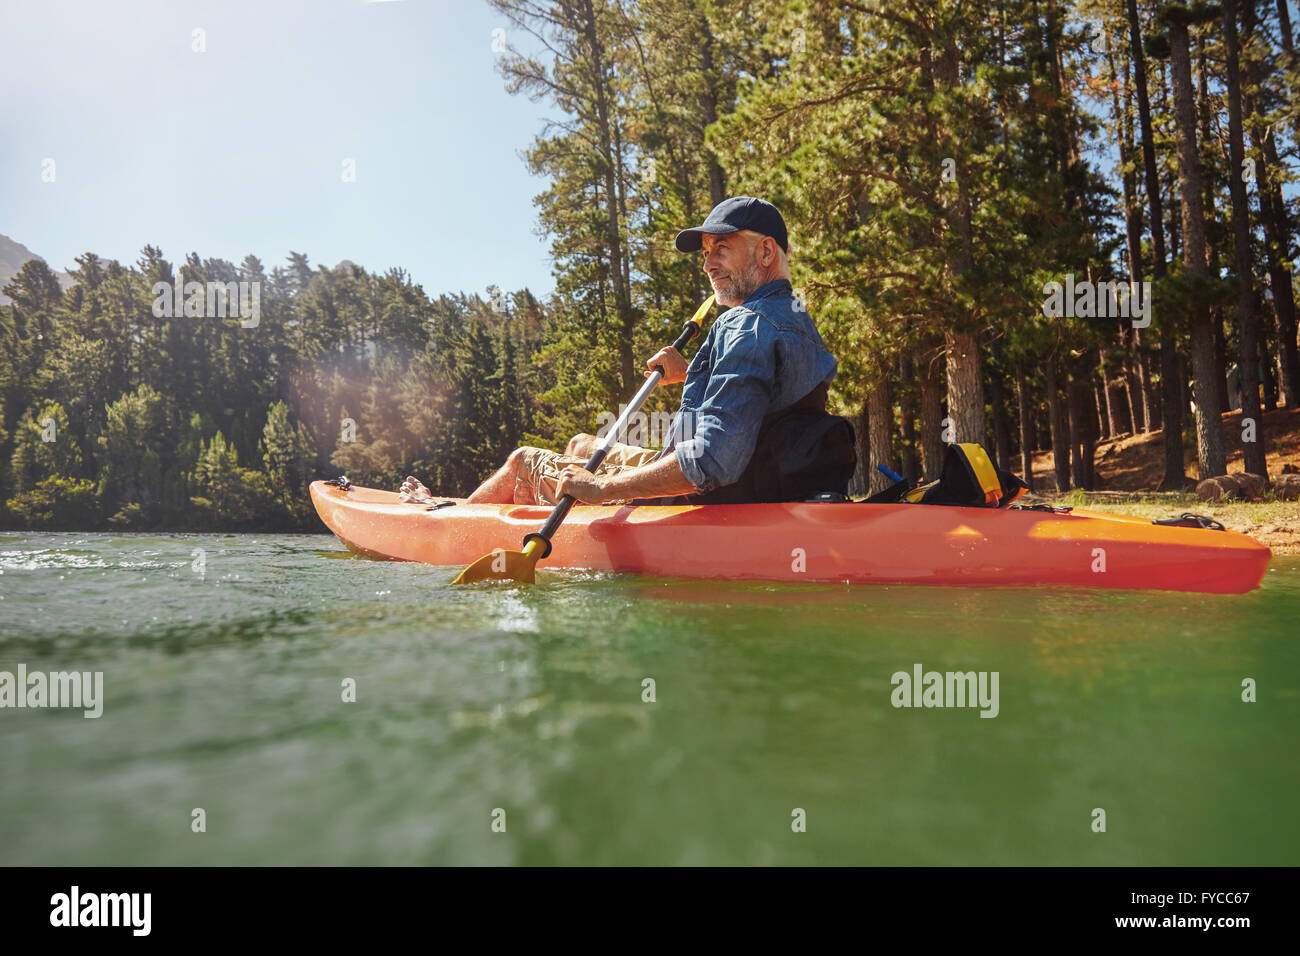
801	451
968	478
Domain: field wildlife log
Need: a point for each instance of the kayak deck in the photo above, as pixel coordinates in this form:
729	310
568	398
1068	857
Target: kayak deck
851	543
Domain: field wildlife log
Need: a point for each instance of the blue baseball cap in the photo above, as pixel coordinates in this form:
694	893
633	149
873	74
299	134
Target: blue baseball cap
733	215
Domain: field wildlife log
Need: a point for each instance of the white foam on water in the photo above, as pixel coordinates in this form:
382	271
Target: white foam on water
44	559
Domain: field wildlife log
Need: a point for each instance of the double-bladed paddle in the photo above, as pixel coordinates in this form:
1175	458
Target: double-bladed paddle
502	565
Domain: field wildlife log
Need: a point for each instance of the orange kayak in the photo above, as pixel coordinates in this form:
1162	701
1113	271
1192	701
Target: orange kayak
851	543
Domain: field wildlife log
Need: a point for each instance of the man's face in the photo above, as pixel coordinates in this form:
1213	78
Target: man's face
731	263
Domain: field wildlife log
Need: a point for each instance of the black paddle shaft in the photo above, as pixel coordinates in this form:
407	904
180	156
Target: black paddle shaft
689	331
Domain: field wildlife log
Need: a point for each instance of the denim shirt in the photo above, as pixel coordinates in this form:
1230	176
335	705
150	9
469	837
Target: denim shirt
759	357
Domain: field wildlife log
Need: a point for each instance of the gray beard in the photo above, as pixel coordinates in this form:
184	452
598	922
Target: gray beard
744	285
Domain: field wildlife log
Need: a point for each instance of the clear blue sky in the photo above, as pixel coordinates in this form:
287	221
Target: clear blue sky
239	149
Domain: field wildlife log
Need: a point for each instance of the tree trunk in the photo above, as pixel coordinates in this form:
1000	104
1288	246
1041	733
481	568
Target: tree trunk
1220	351
965	383
1150	395
1132	233
1117	398
1273	216
1059	418
1101	426
1169	418
1209	425
1088	452
1276	234
931	416
1132	210
1097	382
1211	223
1248	337
1141	397
998	409
1026	428
880	423
1074	400
1083	426
1086	413
1117	418
1172	408
1288	44
1152	392
906	405
709	110
965	387
1133	394
1185	383
1001	434
609	162
1270	371
859	484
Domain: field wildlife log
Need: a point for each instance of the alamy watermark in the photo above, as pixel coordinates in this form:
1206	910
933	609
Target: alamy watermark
76	689
654	430
950	689
1098	300
75	908
210	300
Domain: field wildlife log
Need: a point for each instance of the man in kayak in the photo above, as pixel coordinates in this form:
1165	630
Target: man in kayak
760	374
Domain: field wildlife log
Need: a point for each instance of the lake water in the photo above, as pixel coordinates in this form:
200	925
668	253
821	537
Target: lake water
226	660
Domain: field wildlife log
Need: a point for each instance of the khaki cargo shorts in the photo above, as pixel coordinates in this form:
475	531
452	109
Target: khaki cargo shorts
539	470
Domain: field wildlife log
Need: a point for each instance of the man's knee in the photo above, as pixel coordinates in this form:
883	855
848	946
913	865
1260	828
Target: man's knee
581	445
516	457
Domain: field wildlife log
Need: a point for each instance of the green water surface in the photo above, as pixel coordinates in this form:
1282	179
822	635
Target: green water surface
224	660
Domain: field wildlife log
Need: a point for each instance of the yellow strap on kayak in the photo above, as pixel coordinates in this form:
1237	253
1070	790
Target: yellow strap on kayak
985	474
916	494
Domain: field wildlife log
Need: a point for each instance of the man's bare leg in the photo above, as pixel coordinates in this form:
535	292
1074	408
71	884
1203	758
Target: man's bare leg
500	488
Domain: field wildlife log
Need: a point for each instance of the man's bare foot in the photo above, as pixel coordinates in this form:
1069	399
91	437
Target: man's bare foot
413	490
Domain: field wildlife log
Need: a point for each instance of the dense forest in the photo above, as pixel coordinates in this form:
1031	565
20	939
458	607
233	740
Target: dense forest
963	182
116	417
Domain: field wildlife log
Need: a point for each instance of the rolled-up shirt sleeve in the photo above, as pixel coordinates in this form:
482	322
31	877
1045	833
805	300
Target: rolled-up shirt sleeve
716	446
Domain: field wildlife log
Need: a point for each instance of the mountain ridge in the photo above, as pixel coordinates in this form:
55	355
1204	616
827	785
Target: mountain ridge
13	254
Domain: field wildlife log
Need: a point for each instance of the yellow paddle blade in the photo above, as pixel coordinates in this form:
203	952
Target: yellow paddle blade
502	565
703	310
